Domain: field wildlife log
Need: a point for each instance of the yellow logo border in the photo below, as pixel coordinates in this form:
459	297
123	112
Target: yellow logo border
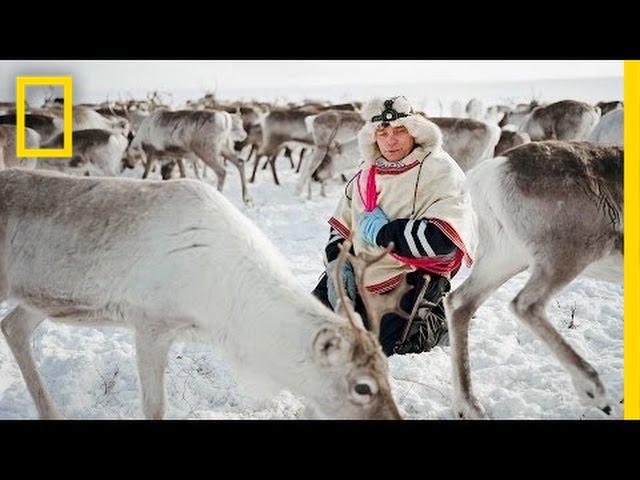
67	147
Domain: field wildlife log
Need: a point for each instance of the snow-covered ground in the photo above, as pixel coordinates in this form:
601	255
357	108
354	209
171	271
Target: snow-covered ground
91	371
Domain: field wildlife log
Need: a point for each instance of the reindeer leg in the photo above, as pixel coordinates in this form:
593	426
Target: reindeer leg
166	170
272	163
460	305
289	154
529	305
152	349
252	148
214	158
239	163
303	150
300	160
255	167
196	170
147	167
18	327
183	174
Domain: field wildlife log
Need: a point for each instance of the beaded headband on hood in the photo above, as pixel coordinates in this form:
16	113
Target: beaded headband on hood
395	111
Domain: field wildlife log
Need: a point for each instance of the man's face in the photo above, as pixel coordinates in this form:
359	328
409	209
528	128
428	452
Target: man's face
394	143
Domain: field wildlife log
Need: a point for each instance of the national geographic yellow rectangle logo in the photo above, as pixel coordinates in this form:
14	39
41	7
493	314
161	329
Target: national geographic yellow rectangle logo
67	147
631	240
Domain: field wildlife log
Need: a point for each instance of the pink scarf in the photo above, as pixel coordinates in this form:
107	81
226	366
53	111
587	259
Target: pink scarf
370	196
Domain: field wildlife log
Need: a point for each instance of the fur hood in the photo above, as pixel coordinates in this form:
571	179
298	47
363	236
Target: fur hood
400	113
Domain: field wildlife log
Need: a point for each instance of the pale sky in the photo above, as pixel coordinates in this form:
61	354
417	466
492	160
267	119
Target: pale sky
113	77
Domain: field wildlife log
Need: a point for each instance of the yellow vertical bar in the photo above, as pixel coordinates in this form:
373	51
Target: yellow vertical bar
67	110
20	120
631	239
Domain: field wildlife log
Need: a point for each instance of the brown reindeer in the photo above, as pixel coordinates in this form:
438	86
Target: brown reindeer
556	209
565	120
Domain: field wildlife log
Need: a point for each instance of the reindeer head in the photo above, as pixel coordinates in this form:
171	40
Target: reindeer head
237	133
352	381
354	368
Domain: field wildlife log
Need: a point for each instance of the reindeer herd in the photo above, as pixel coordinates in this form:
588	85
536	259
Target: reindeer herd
80	244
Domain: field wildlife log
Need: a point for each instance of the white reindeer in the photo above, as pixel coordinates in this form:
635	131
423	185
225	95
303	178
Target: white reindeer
173	260
555	208
208	135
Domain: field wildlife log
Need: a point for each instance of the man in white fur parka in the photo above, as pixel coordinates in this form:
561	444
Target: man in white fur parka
408	191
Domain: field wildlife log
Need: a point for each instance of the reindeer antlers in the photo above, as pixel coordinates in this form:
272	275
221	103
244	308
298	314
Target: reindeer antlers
376	305
345	306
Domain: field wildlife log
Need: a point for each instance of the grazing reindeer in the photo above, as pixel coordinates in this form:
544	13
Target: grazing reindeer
173	260
557	209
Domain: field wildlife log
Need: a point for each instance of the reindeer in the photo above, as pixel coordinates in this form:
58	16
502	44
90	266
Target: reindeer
279	127
206	134
84	118
330	130
555	208
468	141
565	120
172	260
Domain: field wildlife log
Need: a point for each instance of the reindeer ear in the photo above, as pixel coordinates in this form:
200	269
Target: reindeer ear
331	347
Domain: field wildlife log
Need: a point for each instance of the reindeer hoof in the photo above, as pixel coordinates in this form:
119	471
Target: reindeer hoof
591	391
470	410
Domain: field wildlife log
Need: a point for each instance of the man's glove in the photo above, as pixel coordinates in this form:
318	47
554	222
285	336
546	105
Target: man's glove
371	223
349	279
